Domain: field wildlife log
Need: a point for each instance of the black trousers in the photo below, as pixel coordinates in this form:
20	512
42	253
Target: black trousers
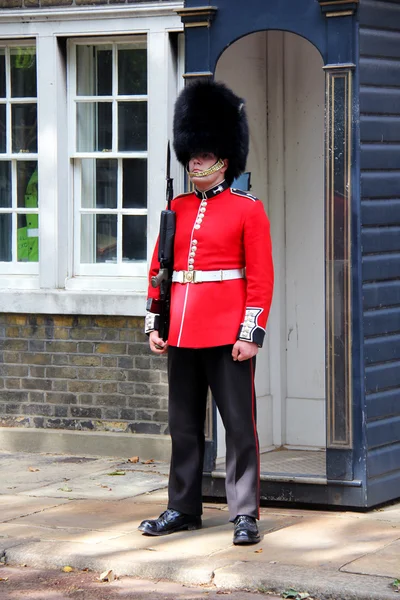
190	374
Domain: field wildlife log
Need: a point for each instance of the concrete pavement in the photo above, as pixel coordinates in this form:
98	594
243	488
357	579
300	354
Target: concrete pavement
83	512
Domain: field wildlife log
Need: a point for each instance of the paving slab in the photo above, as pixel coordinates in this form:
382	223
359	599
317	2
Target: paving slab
34	472
215	537
384	562
14	507
29	533
102	485
323	541
94	515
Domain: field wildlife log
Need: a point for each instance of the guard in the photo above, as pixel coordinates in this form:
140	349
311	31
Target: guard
222	284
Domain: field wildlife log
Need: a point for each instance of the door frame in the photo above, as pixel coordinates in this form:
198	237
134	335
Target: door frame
332	28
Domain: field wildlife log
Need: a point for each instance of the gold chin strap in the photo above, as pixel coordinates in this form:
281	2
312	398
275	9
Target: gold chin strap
215	167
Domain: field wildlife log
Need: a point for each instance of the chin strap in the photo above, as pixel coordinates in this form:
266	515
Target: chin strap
215	167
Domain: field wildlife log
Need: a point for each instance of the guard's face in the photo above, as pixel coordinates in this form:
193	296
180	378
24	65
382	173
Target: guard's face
201	162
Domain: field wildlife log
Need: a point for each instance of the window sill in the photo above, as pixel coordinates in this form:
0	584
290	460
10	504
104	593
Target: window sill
74	302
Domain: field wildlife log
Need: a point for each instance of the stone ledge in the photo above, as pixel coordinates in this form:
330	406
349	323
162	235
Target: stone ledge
87	443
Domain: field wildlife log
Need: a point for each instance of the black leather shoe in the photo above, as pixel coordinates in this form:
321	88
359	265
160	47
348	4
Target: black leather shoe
168	522
246	530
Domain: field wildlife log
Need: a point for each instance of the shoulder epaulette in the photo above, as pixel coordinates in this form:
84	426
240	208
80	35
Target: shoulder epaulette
244	194
181	195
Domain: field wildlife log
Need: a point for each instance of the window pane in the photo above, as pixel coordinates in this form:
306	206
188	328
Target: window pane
2	74
24	127
3	129
94	126
23	72
132	70
99	183
134	238
98	238
132	126
5	238
28	238
5	184
27	184
134	183
94	70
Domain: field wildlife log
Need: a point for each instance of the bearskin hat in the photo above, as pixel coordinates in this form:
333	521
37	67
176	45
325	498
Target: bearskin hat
209	117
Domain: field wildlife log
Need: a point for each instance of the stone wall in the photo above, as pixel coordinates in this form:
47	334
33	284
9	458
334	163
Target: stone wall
50	3
80	373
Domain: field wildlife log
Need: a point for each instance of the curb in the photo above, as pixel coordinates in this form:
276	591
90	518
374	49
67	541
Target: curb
221	573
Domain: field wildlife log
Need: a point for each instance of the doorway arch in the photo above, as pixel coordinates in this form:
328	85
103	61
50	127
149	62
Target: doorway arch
280	76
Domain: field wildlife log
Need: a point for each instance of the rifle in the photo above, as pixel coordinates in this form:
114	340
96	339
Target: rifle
165	257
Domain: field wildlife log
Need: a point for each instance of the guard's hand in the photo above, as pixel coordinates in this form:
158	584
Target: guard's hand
244	350
157	345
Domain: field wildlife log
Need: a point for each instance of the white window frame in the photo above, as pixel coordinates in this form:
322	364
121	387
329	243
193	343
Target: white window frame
15	267
131	269
55	289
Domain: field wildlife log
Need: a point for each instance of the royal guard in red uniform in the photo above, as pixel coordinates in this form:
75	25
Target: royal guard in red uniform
220	301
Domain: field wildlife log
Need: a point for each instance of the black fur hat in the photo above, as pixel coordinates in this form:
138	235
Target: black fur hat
209	117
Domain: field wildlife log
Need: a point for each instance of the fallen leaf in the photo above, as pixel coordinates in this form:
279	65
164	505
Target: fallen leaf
107	576
258	551
67	569
3	578
133	459
396	585
33	469
65	489
116	473
148	462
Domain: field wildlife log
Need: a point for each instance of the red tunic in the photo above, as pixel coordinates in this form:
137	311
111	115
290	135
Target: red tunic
233	233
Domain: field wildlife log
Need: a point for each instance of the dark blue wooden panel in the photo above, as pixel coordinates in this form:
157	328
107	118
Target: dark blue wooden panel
380	71
384	431
380	239
378	184
379	43
380	101
374	128
383	404
383	489
380	212
379	377
379	15
381	349
381	294
380	156
379	322
384	460
379	267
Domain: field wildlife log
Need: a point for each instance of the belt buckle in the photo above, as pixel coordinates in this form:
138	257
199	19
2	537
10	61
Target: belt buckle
188	277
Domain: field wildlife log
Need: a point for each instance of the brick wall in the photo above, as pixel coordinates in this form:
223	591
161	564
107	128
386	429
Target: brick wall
49	3
80	373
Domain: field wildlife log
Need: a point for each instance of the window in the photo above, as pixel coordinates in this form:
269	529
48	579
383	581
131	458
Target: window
108	109
19	209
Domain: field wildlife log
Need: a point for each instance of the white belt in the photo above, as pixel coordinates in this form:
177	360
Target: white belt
203	276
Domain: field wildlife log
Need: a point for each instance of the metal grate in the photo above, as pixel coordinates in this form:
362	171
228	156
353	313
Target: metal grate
308	463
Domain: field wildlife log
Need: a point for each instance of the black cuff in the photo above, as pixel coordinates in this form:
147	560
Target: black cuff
256	335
